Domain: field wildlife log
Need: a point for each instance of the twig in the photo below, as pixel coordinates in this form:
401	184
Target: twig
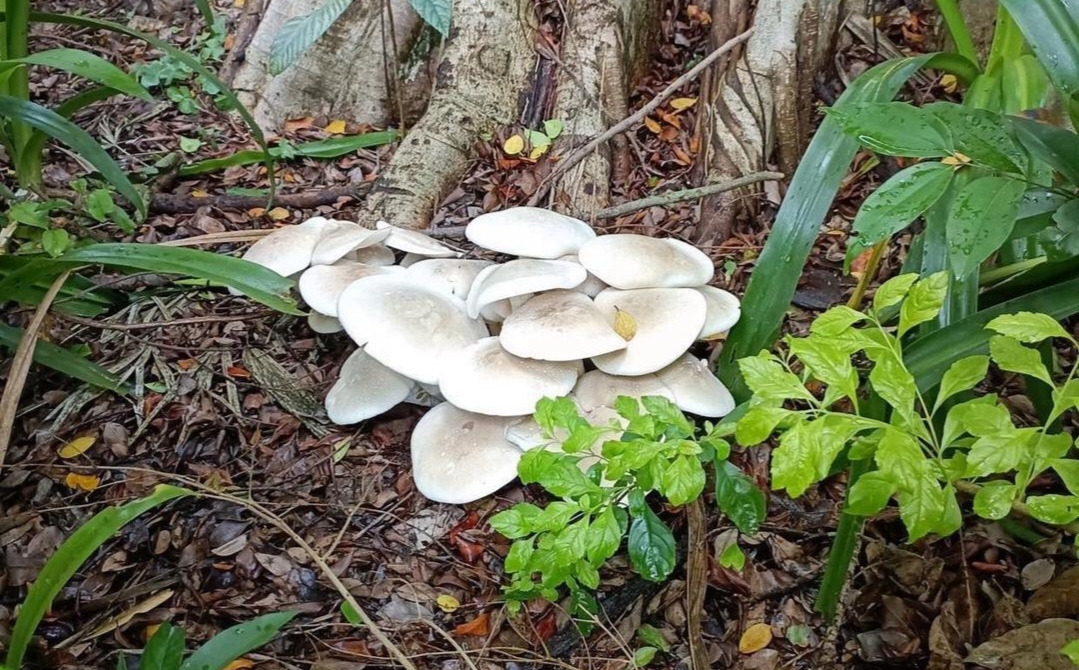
625	124
686	194
869	273
168	203
245	32
187	321
696	584
20	366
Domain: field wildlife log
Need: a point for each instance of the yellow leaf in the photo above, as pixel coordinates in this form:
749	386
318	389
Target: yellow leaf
538	151
240	664
335	127
513	145
84	482
447	603
652	125
949	83
199	193
957	159
278	214
77	447
683	103
756	637
149	631
624	324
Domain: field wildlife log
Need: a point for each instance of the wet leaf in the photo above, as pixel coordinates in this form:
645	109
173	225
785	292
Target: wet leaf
76	447
513	145
447	603
335	127
757	637
82	482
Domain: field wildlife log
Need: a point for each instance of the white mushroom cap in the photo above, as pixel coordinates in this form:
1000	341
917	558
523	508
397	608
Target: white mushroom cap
341	237
321	285
323	324
591	285
288	249
596	388
638	261
486	379
458	456
559	326
457	273
408	327
696	389
723	311
668	320
521	276
414	242
530	232
376	254
365	388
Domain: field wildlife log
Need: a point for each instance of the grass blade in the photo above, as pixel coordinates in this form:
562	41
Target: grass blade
328	148
231	643
62	360
87	65
68	558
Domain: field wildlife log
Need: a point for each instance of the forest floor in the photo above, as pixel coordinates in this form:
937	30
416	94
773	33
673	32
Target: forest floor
228	398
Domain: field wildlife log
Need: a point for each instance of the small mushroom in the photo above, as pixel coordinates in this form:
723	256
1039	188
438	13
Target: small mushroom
637	261
288	249
408	327
596	388
365	388
529	232
459	457
376	254
341	237
457	273
321	285
723	311
667	322
696	389
414	242
487	379
521	276
559	326
323	324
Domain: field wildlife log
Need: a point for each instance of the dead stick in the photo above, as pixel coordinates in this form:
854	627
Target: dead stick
686	194
635	118
696	583
186	321
20	366
245	31
167	203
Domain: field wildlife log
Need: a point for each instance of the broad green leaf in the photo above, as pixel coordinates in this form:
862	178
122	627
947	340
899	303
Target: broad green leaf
582	439
605	535
55	241
67	560
517	521
683	480
923	302
651	546
1061	240
758	424
1012	356
1047	449
232	643
1028	327
1068	470
1057	147
895	129
992	454
899	457
1056	509
870	494
650	635
553	414
835	321
568	543
981	414
1065	397
893	291
1025	84
586	574
519	555
963	375
980	135
254	281
298	34
666	412
62	130
952	518
99	204
827	362
1071	650
554	472
1051	28
643	656
165	649
922	505
981	220
994	500
87	65
769	380
437	13
739	498
894	385
806	451
732	557
60	359
896	203
556	515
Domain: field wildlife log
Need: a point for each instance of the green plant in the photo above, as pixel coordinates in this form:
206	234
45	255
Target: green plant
174	75
602	495
165	649
1071	650
922	449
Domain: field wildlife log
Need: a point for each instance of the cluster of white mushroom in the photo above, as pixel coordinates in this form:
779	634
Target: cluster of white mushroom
492	339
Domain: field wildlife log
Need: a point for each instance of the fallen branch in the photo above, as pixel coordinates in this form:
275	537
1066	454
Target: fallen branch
249	23
633	119
672	197
696	583
167	203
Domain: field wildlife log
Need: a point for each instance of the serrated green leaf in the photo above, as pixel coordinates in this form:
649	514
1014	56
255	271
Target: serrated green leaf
644	656
897	203
562	413
683	480
923	302
758	424
739	498
1056	509
1028	327
922	505
605	535
981	220
963	375
870	494
994	500
835	321
895	129
651	545
298	34
55	241
899	457
517	521
895	385
732	557
556	473
827	362
769	380
650	635
1012	356
666	412
556	515
519	555
980	414
437	13
994	454
568	544
806	451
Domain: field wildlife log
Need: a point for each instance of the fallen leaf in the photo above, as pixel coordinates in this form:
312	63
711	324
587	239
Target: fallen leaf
1057	598
624	324
447	603
479	626
153	602
682	156
335	127
1035	646
149	631
340	449
84	482
298	124
239	664
669	134
238	372
278	214
949	83
757	637
538	151
256	212
957	159
652	125
513	145
77	446
683	103
199	193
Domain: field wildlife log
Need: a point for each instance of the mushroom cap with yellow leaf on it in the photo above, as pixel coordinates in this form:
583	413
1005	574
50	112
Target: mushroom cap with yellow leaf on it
529	232
563	325
666	323
628	261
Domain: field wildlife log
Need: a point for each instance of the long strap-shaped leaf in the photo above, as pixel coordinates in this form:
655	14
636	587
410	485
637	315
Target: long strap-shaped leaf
797	224
1051	27
84	64
62	360
59	128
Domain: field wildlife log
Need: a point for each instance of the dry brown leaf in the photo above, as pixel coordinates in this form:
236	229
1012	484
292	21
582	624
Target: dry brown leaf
478	627
153	602
652	125
240	664
76	447
757	637
447	603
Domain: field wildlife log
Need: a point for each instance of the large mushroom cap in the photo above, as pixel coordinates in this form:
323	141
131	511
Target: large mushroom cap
667	321
487	379
365	388
288	249
521	276
341	237
457	273
637	261
321	285
723	311
414	242
376	254
529	232
695	388
596	388
408	327
458	456
559	326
